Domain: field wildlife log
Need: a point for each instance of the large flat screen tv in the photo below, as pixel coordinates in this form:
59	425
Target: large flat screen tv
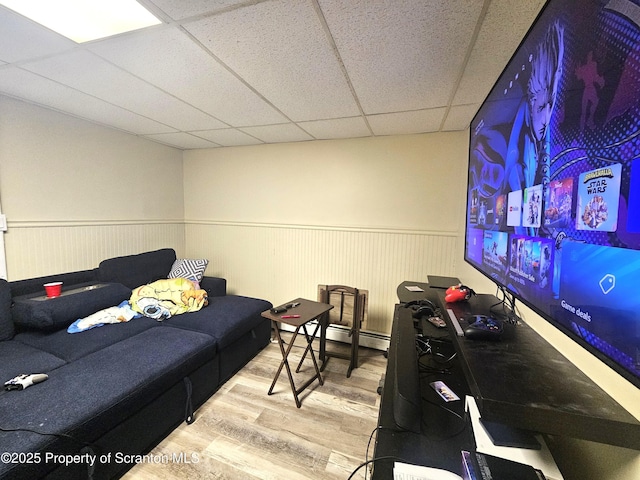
553	199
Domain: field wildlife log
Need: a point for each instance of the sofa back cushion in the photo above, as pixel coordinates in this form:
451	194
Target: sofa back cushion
6	321
35	285
136	270
79	301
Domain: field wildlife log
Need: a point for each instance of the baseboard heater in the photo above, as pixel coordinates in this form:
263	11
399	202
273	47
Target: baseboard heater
337	333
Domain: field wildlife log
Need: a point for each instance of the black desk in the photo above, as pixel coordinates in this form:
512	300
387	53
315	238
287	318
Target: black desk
524	382
442	434
521	381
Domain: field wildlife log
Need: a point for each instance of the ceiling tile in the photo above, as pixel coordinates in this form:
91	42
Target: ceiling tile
166	57
287	132
90	74
228	137
36	89
179	9
420	121
21	39
241	72
181	140
502	31
459	117
337	128
280	48
402	55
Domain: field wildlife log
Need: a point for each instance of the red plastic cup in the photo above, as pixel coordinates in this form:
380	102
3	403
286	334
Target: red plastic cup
53	289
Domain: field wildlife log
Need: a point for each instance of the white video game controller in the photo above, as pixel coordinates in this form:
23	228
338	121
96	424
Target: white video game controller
23	381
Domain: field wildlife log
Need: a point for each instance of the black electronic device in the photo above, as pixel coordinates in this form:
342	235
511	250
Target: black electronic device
422	308
424	311
407	402
505	436
482	327
437	281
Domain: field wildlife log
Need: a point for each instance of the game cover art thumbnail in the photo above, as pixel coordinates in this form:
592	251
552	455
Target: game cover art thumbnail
557	212
598	198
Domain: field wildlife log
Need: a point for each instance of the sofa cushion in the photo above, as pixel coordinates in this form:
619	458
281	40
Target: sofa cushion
6	320
225	318
136	270
189	268
71	347
214	286
38	311
35	285
88	397
17	358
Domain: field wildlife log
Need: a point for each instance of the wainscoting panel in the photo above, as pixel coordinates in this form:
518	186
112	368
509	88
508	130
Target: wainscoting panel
282	262
36	249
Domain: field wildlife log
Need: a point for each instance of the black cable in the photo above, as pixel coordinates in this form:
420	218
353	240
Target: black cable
364	464
47	434
366	452
452	412
429	350
508	303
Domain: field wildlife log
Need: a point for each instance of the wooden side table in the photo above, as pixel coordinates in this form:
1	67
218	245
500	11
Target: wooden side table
297	317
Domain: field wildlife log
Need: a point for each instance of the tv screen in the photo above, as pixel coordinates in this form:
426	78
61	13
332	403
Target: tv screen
553	200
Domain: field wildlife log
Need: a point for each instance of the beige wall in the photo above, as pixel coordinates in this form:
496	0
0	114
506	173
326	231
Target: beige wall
75	193
398	182
278	220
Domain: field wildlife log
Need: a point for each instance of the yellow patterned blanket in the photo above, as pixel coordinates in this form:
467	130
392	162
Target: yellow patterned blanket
167	297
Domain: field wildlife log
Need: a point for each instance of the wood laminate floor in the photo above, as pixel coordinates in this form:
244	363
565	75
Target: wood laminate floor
243	433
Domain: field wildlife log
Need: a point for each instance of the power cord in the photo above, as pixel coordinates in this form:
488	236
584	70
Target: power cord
508	303
452	412
366	457
47	434
373	460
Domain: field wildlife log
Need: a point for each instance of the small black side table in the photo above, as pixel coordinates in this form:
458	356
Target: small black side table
297	317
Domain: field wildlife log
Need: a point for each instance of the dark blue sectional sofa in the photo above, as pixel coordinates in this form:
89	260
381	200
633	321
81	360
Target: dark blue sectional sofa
114	391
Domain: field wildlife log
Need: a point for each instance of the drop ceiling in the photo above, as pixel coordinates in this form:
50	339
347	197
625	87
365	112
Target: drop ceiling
222	73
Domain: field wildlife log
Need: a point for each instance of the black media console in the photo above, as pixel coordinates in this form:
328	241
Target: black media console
413	426
520	382
524	382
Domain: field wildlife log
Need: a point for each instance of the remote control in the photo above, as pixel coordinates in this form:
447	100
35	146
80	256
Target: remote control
438	322
278	309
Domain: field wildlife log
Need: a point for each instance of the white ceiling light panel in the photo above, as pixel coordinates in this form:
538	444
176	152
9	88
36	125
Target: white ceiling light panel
85	20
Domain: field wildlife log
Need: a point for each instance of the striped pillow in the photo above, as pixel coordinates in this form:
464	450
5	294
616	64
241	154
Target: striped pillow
191	269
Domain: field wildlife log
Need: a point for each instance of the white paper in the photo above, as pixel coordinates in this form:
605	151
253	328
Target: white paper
540	459
414	288
406	471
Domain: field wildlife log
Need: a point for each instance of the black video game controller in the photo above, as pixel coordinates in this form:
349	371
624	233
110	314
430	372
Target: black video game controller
482	327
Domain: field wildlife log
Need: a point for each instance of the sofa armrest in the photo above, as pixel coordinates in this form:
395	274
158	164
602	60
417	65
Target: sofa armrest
215	286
